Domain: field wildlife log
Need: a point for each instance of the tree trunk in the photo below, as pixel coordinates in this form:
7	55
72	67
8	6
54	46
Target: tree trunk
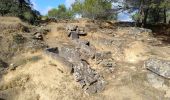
145	17
164	14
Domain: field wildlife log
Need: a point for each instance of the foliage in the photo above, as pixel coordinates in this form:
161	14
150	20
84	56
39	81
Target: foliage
147	11
60	13
19	8
93	8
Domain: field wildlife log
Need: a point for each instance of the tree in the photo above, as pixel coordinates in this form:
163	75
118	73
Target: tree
94	9
60	13
19	8
147	10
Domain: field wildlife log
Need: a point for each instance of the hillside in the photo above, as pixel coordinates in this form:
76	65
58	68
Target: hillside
82	60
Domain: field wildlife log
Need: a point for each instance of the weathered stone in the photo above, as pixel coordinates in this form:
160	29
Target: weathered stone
160	67
103	55
65	65
95	87
91	89
78	43
87	52
74	35
155	80
82	33
88	78
69	53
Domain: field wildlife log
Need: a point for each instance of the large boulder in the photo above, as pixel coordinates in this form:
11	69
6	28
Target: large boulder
158	66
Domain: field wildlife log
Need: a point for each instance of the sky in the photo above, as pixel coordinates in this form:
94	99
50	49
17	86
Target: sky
45	5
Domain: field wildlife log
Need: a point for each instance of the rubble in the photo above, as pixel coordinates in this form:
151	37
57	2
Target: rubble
88	78
74	31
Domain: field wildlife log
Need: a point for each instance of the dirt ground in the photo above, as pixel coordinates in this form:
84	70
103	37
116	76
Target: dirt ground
39	77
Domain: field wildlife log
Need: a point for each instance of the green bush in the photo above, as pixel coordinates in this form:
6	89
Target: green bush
28	16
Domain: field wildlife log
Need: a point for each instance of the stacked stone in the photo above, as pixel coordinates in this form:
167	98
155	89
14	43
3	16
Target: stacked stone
74	31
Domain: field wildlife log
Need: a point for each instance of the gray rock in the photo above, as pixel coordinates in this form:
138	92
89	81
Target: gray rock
74	35
103	55
87	52
78	43
66	65
69	53
82	33
88	78
160	67
155	80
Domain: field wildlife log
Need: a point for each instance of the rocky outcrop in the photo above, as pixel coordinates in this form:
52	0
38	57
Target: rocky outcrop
160	67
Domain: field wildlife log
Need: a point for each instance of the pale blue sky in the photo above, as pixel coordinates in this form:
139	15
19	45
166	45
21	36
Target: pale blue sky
45	5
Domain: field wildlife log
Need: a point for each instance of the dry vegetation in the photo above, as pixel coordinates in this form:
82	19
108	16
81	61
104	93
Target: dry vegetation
32	75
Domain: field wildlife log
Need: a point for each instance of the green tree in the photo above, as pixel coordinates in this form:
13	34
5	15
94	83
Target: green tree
93	8
60	13
147	10
19	8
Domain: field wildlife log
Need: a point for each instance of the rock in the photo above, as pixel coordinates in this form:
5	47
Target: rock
160	67
78	43
87	52
82	71
88	78
82	33
69	53
38	36
103	55
65	65
74	35
155	80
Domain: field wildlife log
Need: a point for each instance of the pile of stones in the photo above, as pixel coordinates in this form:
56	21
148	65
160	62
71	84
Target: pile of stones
70	58
74	31
75	59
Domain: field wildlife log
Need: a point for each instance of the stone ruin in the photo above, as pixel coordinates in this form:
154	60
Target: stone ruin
75	60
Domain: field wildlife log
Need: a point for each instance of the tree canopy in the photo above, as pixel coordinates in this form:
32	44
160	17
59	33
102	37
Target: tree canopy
93	9
60	13
19	8
147	11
